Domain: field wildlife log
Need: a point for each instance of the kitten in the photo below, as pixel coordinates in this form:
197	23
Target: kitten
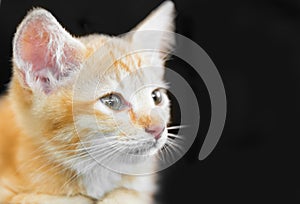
79	123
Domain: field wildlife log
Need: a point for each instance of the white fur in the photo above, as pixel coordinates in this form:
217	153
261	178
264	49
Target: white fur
100	180
155	33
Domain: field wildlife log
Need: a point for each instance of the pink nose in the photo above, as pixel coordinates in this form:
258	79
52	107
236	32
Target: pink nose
155	130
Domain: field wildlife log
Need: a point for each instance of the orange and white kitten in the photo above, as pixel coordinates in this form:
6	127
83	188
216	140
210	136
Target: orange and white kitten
77	117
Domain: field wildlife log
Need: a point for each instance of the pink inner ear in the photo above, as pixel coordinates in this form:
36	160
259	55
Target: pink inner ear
51	52
34	48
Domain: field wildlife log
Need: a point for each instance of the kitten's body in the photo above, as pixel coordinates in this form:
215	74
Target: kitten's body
43	120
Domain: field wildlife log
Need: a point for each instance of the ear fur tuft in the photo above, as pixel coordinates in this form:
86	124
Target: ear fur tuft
44	52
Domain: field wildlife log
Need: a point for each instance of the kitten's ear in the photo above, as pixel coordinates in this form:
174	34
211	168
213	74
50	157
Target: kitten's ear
157	29
44	53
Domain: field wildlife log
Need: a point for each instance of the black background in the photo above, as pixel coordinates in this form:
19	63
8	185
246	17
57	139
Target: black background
255	45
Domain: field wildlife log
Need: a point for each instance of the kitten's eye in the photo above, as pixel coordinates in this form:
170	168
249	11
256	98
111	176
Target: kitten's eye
156	95
112	101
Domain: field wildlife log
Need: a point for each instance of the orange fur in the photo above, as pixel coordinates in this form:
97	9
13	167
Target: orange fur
22	163
38	116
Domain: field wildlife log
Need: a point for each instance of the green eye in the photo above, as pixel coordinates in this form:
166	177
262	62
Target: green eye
156	96
112	101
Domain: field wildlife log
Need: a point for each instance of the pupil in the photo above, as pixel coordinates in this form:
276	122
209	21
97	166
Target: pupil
156	96
112	101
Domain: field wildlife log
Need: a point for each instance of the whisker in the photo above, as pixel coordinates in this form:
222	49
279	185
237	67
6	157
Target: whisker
173	136
161	154
175	147
176	127
168	153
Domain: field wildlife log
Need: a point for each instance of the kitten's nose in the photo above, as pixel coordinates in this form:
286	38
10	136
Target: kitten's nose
155	130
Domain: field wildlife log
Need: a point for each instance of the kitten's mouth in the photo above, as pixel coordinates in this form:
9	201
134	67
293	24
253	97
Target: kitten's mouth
158	136
150	147
143	149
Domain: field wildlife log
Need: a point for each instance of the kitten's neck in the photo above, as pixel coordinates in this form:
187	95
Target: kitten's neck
100	180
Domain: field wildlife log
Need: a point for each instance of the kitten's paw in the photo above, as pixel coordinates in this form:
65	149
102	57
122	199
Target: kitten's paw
122	196
78	200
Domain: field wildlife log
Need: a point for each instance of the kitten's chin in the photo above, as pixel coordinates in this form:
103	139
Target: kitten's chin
157	146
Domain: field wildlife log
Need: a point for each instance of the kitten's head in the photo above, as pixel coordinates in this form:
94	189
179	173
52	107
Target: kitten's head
94	95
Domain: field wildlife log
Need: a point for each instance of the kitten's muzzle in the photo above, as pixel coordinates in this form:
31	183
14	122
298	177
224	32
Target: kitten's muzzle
155	130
